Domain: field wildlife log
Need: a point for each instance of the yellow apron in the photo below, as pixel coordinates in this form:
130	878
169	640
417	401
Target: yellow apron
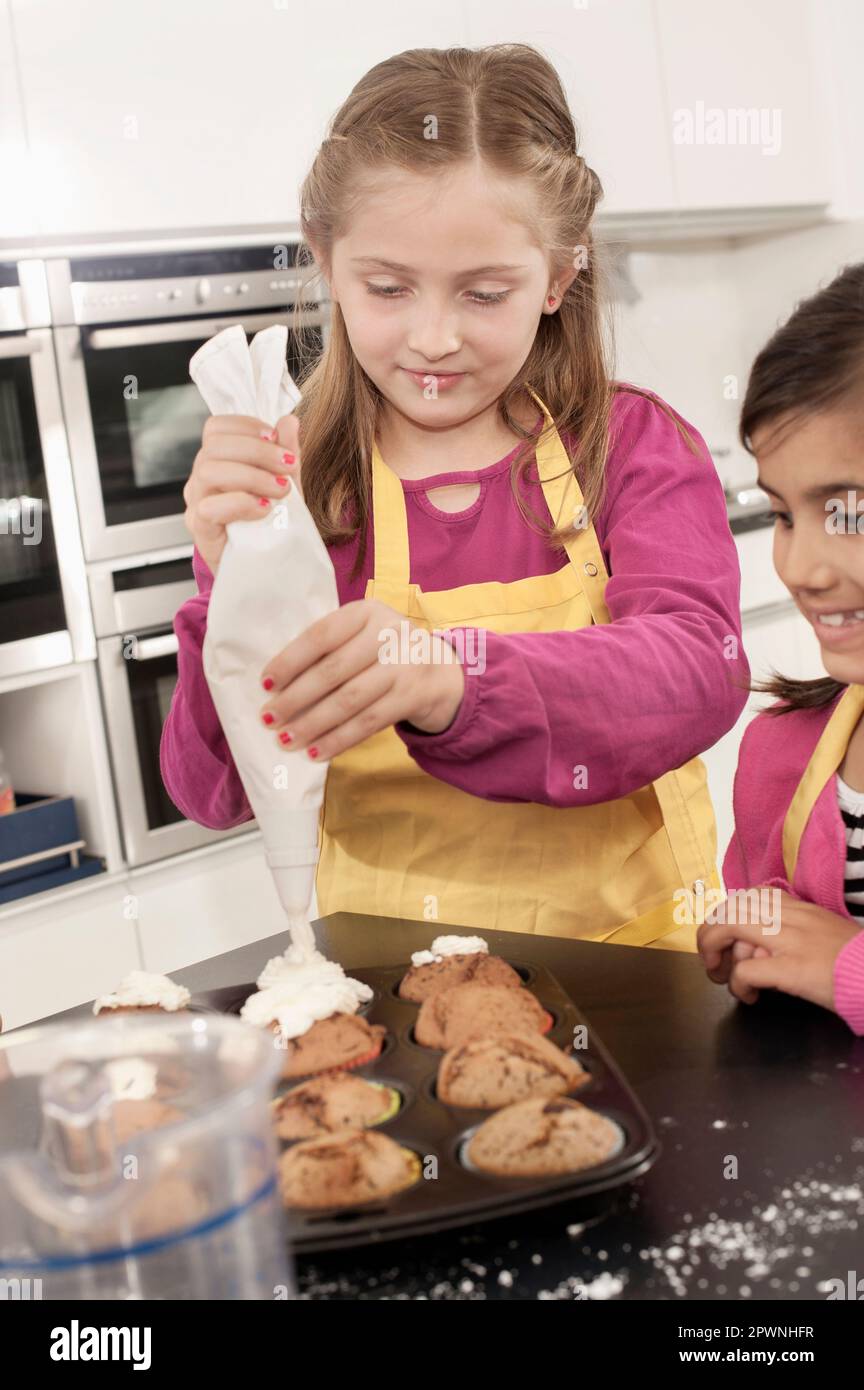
398	842
824	762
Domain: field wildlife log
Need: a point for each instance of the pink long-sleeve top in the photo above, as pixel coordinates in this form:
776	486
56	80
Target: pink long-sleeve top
774	752
629	700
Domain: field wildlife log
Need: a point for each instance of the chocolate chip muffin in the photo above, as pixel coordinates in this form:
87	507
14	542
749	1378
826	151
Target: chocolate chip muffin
344	1170
539	1138
478	1011
330	1103
422	981
343	1040
486	1073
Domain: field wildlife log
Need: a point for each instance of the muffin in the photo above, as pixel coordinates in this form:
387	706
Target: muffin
343	1040
478	1011
422	981
486	1073
143	992
454	960
343	1170
331	1103
539	1138
311	1010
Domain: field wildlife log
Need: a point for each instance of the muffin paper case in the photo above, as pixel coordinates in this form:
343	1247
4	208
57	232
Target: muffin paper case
274	579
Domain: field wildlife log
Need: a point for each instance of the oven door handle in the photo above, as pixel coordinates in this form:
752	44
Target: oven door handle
186	329
19	346
150	648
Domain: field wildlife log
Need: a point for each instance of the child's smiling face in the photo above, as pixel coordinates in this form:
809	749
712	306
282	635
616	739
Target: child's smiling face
815	478
466	303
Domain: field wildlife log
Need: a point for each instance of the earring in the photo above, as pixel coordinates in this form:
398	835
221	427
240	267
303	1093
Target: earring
551	299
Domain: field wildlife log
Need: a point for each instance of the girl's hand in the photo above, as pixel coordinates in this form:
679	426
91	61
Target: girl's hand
242	464
798	958
332	688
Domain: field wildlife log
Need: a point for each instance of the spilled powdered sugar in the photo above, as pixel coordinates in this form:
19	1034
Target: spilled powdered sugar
753	1250
773	1247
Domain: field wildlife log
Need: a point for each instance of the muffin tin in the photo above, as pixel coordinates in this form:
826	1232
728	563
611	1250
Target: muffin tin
459	1195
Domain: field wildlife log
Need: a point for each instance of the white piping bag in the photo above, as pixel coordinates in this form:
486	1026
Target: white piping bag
274	579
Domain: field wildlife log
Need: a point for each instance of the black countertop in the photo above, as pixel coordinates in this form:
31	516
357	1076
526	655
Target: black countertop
759	1190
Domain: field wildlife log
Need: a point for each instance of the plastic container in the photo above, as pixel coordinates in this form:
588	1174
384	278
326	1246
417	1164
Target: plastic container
189	1209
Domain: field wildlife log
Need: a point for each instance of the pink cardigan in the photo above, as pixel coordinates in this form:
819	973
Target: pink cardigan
774	752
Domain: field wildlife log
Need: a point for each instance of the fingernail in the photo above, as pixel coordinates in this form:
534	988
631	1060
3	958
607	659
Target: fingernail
267	682
313	752
268	718
263	501
283	482
285	737
288	458
265	434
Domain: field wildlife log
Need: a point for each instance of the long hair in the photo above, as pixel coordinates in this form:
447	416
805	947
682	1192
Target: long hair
813	363
505	105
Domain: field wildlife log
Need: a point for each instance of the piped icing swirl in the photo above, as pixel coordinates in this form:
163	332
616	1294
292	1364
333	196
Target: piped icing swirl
301	992
449	946
140	988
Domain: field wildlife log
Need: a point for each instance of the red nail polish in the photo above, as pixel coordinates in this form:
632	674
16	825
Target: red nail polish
268	718
267	682
263	501
285	737
282	481
313	752
288	458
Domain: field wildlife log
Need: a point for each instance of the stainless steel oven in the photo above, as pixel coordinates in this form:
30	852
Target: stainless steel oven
44	610
126	326
134	602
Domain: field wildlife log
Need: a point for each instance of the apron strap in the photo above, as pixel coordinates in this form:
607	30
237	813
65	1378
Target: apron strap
826	758
389	524
565	502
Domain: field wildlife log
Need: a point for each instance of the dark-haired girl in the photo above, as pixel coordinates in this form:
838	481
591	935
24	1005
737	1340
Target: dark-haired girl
799	788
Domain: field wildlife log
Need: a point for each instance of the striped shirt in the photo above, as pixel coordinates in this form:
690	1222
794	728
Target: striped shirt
852	812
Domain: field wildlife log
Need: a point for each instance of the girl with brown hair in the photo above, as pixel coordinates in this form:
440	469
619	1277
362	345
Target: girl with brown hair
551	544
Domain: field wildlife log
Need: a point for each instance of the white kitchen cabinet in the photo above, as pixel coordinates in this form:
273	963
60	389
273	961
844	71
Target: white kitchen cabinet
65	949
204	903
17	215
606	54
207	113
62	948
193	113
720	60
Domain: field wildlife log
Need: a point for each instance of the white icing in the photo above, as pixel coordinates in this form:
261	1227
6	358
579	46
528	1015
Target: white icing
139	987
450	946
301	992
299	953
132	1078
